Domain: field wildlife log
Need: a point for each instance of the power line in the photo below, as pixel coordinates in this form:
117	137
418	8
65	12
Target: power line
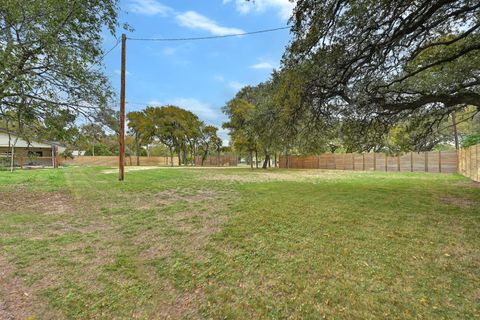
209	37
104	55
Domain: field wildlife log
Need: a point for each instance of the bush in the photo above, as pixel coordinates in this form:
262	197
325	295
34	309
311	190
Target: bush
471	140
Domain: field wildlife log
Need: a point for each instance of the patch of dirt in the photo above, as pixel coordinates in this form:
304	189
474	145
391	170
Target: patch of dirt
461	202
168	197
204	214
17	299
23	200
131	169
140	168
468	184
296	175
183	306
189	230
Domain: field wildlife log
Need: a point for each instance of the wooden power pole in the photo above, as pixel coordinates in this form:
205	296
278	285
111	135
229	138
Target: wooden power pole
121	157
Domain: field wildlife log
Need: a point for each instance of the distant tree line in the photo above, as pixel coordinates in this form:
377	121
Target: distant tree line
155	131
179	130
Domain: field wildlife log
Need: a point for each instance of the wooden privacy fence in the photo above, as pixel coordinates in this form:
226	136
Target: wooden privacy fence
433	161
113	161
217	161
469	162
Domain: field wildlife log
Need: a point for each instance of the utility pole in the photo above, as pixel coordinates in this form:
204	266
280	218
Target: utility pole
121	157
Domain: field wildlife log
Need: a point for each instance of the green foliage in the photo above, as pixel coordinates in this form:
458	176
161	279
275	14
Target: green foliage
179	130
471	140
370	68
48	76
99	149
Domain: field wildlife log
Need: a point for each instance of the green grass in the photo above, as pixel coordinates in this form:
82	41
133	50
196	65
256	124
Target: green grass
237	244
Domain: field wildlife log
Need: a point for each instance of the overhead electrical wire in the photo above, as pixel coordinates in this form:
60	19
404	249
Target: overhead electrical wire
104	55
188	39
209	37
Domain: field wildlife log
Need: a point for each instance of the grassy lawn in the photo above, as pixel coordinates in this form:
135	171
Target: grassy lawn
236	244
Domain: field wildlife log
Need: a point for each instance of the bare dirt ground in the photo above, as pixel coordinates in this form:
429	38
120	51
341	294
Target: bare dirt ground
19	299
141	168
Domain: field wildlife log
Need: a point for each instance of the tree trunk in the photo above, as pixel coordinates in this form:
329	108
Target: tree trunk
275	160
12	158
185	160
256	158
194	154
251	159
455	131
171	156
266	161
93	149
287	163
137	151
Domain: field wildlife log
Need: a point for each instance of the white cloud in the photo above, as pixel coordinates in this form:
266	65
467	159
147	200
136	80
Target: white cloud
194	20
219	78
168	51
204	110
236	85
149	7
262	65
189	19
154	102
284	7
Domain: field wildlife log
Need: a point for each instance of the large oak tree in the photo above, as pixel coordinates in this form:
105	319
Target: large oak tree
386	60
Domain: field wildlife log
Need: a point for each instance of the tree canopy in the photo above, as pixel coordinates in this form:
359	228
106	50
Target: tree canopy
50	52
357	76
384	62
180	130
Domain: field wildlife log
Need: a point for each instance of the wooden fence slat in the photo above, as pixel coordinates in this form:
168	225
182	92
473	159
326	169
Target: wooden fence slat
465	161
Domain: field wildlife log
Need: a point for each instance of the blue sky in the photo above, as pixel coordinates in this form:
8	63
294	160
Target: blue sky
197	75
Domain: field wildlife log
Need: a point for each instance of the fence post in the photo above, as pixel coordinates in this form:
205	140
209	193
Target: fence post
398	163
459	164
353	161
374	162
363	161
426	161
439	161
386	162
476	162
411	161
471	162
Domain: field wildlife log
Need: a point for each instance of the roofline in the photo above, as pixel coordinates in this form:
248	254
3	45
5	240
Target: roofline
51	143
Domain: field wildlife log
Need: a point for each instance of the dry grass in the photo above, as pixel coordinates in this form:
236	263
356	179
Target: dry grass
238	244
24	200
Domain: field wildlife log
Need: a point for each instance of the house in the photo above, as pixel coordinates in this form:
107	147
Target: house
28	153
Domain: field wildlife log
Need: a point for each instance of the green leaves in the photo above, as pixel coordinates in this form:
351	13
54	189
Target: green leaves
47	52
176	128
382	61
